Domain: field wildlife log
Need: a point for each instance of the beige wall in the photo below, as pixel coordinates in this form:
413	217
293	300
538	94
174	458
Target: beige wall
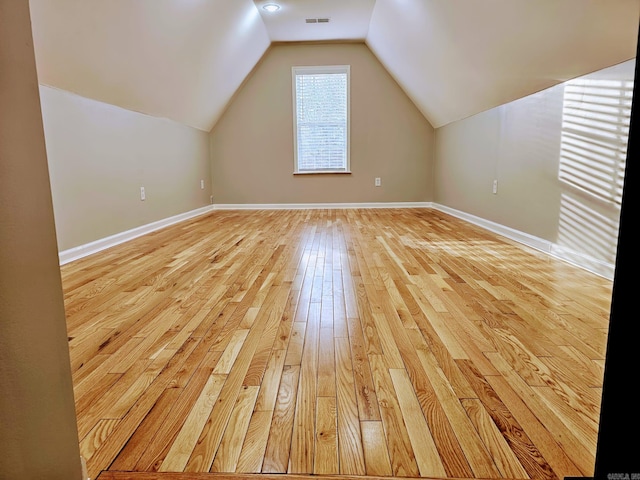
99	157
252	144
38	433
519	145
504	143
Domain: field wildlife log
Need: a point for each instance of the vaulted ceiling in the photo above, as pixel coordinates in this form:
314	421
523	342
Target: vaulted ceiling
184	59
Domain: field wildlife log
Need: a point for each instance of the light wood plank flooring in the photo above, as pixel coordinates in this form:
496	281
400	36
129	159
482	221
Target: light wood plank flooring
382	342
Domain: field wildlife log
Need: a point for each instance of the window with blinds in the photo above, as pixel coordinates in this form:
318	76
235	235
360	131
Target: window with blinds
595	131
321	119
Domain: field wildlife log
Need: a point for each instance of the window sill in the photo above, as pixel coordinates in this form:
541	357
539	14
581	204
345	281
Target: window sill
324	172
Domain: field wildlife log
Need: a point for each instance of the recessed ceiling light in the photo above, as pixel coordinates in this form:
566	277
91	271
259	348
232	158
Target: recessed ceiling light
271	7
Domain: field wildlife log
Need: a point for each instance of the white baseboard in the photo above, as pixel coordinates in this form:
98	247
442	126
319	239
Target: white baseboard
578	259
593	265
513	234
85	471
316	206
81	251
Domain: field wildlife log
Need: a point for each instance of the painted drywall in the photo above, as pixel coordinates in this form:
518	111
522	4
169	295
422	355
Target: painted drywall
348	20
456	58
99	157
181	60
38	432
252	154
184	59
519	145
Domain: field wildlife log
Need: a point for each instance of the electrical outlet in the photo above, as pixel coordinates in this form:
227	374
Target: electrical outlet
495	187
202	184
378	182
211	199
143	195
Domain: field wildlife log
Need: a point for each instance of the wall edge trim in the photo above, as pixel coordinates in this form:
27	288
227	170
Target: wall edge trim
311	206
96	246
560	252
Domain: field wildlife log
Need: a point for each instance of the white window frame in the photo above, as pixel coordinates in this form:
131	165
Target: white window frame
325	69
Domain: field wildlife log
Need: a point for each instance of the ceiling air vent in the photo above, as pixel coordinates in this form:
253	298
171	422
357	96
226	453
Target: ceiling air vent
317	20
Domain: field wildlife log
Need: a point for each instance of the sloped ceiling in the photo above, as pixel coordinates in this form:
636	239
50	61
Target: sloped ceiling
184	59
455	58
180	59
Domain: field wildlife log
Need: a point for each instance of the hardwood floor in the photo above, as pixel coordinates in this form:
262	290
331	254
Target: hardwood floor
387	342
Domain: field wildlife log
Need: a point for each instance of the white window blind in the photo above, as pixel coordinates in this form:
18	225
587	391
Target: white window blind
595	131
321	119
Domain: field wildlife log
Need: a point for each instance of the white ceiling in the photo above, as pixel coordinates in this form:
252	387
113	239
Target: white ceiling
184	59
455	58
179	59
348	19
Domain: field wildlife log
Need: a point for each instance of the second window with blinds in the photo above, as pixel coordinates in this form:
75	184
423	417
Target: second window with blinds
321	119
